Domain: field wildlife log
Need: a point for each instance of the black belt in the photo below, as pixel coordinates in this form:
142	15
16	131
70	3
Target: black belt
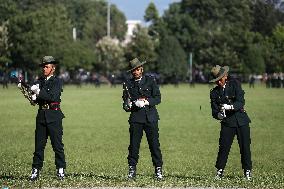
51	106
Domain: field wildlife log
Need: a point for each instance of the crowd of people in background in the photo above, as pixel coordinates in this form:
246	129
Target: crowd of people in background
81	76
275	80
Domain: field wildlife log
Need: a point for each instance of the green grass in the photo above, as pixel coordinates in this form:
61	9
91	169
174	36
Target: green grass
96	140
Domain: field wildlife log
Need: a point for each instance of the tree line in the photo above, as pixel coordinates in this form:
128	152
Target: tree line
247	35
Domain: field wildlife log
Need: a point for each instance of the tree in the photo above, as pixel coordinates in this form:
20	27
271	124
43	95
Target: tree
151	13
265	18
110	55
254	60
277	39
40	27
89	18
171	58
4	46
34	34
212	30
7	10
143	47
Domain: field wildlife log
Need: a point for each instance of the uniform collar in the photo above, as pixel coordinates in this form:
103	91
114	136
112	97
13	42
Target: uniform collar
47	78
222	87
140	80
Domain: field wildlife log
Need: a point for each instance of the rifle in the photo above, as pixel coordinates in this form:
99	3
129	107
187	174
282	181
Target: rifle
129	96
26	90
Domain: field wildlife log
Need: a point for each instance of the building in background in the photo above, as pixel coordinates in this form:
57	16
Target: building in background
131	26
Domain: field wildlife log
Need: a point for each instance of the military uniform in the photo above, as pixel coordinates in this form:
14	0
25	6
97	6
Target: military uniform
144	118
49	122
236	122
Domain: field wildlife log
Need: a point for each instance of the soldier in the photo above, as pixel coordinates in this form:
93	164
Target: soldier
227	103
49	118
140	96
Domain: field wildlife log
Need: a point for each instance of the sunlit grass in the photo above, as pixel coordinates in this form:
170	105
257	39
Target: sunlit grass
96	140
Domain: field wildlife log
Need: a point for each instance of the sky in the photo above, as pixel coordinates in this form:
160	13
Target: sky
135	9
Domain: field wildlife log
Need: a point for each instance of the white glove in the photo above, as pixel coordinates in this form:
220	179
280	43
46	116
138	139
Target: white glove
35	89
146	102
19	85
140	103
227	107
34	97
129	103
221	115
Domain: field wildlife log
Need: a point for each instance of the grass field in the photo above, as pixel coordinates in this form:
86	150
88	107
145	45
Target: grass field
96	140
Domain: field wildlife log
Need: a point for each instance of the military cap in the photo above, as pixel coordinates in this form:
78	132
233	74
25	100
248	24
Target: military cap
218	72
48	60
135	63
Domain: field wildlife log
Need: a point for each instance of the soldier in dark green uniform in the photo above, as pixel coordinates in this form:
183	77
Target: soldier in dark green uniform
140	96
47	91
227	103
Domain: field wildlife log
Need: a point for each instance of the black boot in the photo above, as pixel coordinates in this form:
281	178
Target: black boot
247	174
219	174
60	173
159	173
35	174
132	172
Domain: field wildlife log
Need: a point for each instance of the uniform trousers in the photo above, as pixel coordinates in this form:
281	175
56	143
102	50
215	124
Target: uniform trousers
225	141
55	131
152	133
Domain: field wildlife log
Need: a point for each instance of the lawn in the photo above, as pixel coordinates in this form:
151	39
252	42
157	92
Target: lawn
96	140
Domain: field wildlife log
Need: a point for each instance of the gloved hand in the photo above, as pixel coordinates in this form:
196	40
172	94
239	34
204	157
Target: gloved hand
221	115
35	89
227	107
34	97
129	103
140	103
19	85
146	102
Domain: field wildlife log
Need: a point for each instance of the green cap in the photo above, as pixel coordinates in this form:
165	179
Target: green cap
48	60
135	63
218	72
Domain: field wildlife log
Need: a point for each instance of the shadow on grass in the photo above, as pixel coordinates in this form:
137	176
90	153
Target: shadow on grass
187	177
94	176
123	178
200	177
11	177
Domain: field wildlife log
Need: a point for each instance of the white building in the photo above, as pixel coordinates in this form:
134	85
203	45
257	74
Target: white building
131	26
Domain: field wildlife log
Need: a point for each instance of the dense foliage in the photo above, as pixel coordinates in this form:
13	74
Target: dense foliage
238	33
37	28
244	34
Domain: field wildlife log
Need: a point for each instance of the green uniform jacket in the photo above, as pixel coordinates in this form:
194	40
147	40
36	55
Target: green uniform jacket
50	92
148	89
233	95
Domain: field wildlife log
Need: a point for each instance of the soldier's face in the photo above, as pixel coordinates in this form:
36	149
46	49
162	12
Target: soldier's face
48	70
222	81
137	73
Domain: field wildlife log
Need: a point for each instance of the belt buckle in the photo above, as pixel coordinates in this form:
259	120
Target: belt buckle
45	106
